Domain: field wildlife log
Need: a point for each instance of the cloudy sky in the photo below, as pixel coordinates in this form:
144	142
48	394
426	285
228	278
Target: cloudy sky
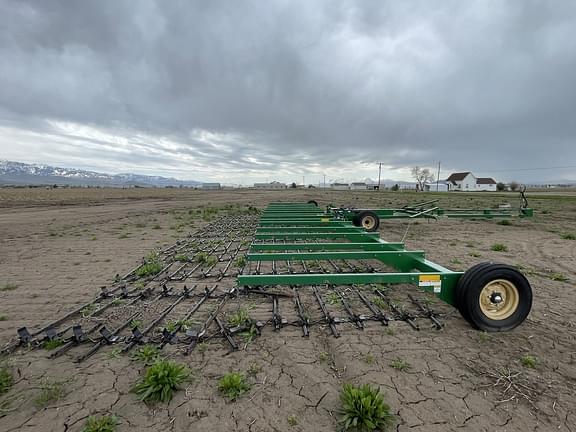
243	91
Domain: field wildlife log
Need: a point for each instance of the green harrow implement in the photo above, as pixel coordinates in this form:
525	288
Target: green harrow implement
492	297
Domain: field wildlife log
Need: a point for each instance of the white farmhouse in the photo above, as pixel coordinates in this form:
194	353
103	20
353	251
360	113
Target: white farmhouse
468	182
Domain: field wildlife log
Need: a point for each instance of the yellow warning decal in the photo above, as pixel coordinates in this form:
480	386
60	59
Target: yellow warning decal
324	219
431	280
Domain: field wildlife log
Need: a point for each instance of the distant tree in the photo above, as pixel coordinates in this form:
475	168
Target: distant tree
395	187
422	176
500	187
293	185
514	186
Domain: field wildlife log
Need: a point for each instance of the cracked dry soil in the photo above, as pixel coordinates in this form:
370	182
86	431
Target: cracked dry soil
59	250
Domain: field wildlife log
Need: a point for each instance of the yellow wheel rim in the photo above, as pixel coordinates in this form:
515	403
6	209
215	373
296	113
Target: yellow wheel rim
499	299
368	222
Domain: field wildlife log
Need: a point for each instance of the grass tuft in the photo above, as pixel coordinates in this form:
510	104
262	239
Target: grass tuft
499	247
50	391
560	277
400	364
149	268
6	378
363	409
104	423
233	385
529	361
161	380
504	222
147	354
52	344
568	236
9	287
239	318
182	258
292	420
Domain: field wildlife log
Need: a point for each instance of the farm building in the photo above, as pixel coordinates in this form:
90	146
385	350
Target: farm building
211	186
358	186
271	185
468	182
339	186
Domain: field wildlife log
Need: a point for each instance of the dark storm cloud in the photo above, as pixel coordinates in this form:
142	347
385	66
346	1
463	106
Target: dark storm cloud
292	87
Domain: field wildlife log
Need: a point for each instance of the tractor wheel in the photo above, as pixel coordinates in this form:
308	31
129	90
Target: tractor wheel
367	219
313	202
494	297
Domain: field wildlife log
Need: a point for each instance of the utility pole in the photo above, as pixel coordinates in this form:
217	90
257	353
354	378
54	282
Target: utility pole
379	173
438	176
303	183
324	181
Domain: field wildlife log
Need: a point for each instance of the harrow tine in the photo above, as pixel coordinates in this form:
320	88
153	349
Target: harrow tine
327	316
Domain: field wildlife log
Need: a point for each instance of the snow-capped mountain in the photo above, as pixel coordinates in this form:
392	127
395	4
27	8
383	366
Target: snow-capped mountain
19	173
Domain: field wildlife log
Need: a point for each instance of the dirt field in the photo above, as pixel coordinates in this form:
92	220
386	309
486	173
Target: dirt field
58	247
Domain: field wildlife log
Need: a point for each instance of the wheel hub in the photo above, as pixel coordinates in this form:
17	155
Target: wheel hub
368	222
499	299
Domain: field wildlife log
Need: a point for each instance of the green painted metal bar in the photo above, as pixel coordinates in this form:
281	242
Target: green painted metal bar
372	246
353	237
394	258
316	229
446	289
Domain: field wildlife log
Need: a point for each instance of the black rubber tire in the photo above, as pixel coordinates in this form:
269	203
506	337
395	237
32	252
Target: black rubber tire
313	202
473	282
464	280
368	213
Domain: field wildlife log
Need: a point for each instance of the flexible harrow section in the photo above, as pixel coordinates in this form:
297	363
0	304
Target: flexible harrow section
305	242
206	279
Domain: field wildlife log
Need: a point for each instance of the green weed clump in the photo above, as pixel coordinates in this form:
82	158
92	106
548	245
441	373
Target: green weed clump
9	287
146	354
560	277
504	222
50	391
161	380
6	378
52	344
568	236
149	269
400	364
363	409
529	361
499	247
104	423
240	262
182	258
233	385
239	318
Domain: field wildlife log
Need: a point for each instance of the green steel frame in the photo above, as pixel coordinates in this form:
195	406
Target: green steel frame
292	232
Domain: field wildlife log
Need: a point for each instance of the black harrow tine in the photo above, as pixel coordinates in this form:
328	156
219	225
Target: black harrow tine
103	341
353	317
276	317
197	336
224	331
327	316
427	312
206	296
301	314
378	314
153	324
403	315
